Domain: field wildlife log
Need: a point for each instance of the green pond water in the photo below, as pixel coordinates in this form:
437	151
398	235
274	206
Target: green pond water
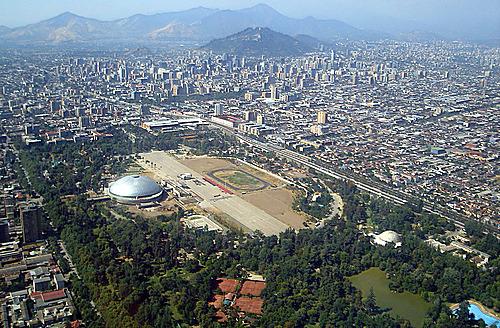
406	305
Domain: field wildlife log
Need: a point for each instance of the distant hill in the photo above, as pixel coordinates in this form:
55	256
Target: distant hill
197	24
64	27
165	25
4	29
259	41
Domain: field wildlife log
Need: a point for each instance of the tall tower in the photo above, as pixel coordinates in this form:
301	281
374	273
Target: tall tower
321	117
218	110
4	231
30	223
354	79
123	73
260	119
249	115
274	92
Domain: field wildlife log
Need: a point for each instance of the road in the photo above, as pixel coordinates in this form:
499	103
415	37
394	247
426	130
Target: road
68	258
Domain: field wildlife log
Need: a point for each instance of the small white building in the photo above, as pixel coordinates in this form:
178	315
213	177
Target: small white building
388	237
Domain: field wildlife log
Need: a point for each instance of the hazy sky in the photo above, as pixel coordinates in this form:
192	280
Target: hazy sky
463	15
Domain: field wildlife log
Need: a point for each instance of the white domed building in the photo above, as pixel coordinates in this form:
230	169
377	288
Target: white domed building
135	189
388	237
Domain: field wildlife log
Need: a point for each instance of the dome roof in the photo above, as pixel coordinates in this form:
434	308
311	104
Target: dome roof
134	186
389	236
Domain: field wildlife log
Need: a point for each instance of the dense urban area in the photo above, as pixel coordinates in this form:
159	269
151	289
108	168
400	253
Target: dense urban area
178	187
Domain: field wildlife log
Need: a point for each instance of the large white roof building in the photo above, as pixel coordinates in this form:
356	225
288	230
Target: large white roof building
135	189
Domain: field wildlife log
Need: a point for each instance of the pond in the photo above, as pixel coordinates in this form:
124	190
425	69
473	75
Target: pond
409	306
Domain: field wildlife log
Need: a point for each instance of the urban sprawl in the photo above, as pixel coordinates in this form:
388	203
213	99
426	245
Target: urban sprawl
410	122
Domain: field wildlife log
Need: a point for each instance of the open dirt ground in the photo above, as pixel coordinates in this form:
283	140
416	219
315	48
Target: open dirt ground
276	199
213	198
278	203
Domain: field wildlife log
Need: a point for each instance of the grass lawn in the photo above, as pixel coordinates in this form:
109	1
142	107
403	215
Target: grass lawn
239	179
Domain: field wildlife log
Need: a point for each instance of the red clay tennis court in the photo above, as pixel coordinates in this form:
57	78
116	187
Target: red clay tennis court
250	305
227	285
252	288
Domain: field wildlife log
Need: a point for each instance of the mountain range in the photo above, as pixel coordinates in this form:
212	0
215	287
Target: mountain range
197	24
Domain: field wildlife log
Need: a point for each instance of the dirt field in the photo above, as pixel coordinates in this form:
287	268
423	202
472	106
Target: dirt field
212	197
204	165
293	173
278	203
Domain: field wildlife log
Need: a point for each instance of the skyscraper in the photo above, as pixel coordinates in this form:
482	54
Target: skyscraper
123	74
274	92
321	117
218	110
260	119
354	79
30	223
4	231
83	122
249	115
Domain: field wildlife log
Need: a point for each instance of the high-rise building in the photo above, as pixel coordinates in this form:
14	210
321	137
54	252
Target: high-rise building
274	92
355	79
123	74
143	110
249	115
218	110
135	95
260	119
249	96
317	129
79	111
4	231
83	122
31	129
30	223
55	105
321	117
371	80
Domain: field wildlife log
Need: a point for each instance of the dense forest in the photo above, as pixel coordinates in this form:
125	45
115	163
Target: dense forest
156	273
